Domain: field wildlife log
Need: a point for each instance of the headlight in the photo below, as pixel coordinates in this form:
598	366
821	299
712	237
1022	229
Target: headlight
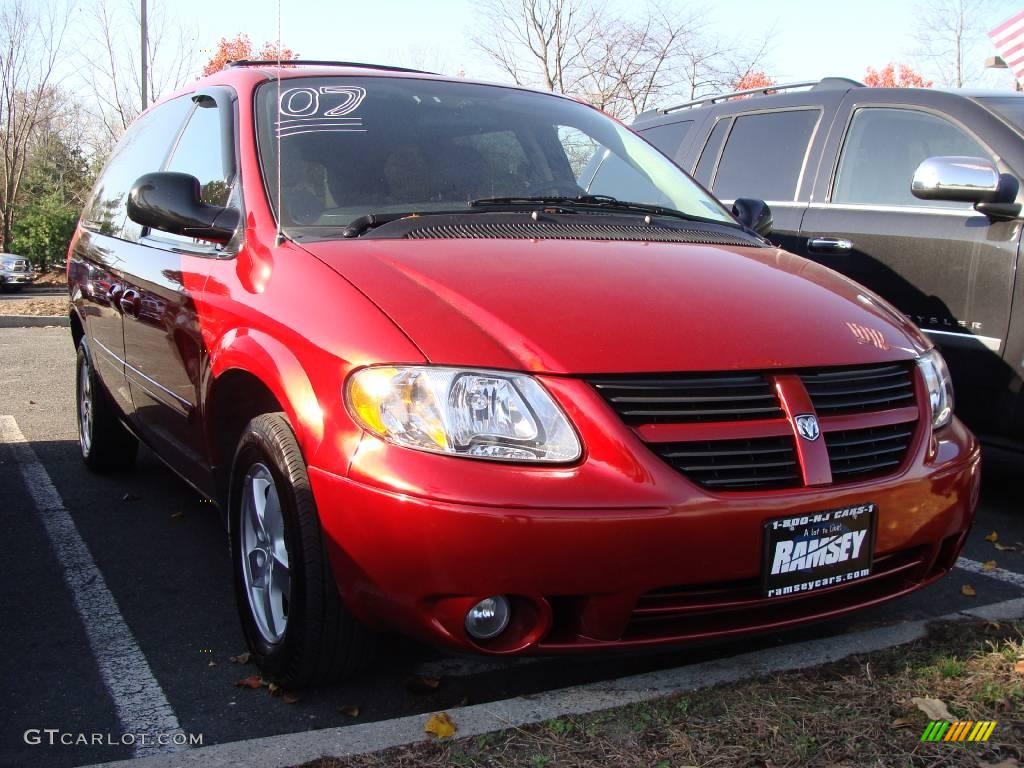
940	387
477	413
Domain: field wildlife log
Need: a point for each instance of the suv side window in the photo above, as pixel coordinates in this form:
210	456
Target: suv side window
668	138
765	154
706	165
199	152
883	148
142	149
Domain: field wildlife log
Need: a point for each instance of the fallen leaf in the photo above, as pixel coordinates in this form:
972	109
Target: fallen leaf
935	709
212	664
351	710
989	565
253	682
1019	667
993	537
31	402
242	658
440	725
422	685
968	591
289	699
177	514
1003	547
274	689
901	722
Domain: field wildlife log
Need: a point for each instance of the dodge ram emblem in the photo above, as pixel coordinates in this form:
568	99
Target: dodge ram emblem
807	426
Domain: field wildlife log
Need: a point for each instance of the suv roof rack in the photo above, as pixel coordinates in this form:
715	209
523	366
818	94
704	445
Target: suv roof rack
322	63
825	84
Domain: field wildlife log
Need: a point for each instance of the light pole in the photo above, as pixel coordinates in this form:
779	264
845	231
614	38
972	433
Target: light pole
145	57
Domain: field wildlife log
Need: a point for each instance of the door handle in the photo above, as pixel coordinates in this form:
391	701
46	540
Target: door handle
129	302
829	245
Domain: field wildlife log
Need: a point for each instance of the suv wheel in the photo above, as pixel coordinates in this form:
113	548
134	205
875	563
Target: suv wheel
295	623
104	441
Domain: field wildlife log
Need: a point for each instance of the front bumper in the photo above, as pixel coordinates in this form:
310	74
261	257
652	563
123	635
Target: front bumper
584	574
16	278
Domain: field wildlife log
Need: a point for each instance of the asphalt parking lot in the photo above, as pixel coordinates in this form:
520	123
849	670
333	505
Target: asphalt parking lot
162	553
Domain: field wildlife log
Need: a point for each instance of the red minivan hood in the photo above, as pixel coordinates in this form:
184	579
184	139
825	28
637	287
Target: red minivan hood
570	306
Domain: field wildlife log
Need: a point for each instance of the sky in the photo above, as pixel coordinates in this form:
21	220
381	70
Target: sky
809	39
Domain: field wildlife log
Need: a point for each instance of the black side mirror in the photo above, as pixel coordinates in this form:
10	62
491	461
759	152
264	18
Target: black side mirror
170	202
753	214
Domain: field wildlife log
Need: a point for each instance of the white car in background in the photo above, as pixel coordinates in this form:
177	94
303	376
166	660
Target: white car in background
15	272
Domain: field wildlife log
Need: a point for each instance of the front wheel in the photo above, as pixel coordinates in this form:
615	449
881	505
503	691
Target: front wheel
297	628
104	441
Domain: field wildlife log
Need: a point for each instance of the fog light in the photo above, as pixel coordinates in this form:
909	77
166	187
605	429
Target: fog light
488	618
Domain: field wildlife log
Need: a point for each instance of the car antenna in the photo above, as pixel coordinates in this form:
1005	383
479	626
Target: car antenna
279	237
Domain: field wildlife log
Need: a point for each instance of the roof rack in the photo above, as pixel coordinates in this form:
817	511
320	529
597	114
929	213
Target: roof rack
825	84
322	63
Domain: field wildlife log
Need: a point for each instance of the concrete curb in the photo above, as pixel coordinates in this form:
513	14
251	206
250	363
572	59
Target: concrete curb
33	321
295	748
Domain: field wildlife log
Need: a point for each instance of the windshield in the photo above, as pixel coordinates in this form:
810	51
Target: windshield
1010	108
354	146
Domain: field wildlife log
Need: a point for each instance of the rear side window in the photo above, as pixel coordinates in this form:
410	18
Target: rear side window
883	148
143	149
764	155
668	138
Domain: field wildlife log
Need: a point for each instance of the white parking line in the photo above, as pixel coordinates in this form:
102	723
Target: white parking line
138	698
973	566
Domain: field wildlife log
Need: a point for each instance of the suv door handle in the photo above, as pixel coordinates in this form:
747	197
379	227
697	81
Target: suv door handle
829	245
129	302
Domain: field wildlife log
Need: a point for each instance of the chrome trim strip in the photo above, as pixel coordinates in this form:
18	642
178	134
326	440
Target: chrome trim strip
989	342
178	403
961	212
107	349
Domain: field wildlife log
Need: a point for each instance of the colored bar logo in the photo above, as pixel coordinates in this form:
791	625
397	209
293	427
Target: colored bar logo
959	730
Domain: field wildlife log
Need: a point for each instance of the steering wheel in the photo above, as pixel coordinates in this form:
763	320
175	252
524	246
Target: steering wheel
554	188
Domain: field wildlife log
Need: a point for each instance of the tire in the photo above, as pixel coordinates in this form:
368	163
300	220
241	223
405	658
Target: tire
105	443
298	631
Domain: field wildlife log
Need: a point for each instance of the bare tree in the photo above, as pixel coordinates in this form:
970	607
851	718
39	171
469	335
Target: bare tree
622	64
539	41
114	75
30	43
948	34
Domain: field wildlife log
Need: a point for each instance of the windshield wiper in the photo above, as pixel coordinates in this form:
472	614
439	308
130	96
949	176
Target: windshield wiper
588	202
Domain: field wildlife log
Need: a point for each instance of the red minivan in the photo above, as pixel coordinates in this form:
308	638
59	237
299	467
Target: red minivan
479	364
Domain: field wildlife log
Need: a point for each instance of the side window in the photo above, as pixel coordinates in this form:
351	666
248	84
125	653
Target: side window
708	157
579	148
143	149
199	152
764	155
615	177
883	148
668	138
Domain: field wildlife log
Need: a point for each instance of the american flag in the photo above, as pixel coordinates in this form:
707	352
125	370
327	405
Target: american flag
1008	39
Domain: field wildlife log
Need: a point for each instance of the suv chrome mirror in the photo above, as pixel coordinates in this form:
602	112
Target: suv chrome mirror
170	202
962	179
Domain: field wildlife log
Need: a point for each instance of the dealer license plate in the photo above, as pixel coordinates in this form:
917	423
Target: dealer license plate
818	550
